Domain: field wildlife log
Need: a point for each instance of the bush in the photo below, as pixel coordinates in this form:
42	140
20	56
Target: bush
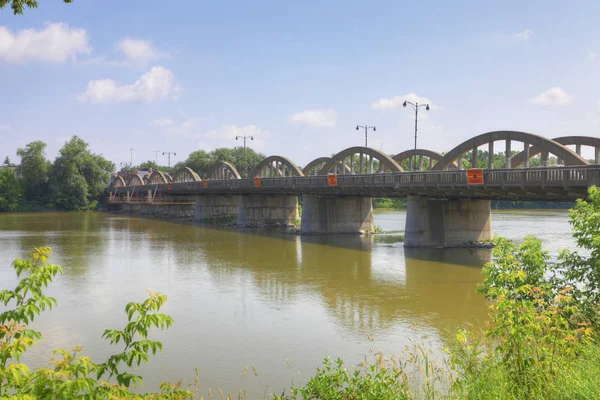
72	374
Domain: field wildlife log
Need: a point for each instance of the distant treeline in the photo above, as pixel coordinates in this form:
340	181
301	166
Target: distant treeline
400	204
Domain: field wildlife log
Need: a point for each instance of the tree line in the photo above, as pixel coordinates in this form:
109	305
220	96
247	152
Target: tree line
74	181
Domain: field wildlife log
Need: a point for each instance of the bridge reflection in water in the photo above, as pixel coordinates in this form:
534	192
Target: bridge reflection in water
366	287
244	296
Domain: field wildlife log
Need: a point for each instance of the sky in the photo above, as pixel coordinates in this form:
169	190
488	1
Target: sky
298	76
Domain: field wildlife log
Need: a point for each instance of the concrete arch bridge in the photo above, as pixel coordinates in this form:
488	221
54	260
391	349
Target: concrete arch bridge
446	204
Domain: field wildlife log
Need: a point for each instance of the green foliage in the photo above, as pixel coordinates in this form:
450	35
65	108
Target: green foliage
35	171
10	190
155	167
389	204
7	161
78	178
18	5
377	381
201	161
73	375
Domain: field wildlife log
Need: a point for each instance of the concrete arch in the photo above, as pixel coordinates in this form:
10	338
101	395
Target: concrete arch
276	166
157	178
546	145
119	181
135	180
432	155
145	178
578	141
315	166
222	170
185	174
365	154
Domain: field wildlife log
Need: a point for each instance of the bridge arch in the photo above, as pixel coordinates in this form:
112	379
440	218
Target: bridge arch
421	153
344	162
314	167
157	178
222	170
118	181
276	166
135	180
546	146
185	174
577	141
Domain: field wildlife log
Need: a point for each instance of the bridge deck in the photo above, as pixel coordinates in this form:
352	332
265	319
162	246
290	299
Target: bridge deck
555	184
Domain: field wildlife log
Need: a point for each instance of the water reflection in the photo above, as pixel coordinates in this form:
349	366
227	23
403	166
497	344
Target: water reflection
244	296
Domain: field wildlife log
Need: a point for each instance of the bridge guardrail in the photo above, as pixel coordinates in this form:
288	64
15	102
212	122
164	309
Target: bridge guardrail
575	177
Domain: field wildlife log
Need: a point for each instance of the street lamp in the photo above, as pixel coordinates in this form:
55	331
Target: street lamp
169	154
366	128
244	138
416	106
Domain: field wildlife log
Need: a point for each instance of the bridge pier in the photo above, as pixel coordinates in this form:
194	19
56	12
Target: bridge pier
446	223
267	209
322	214
215	207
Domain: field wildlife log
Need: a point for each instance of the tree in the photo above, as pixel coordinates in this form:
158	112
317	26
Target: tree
10	190
7	161
34	170
201	162
78	177
19	5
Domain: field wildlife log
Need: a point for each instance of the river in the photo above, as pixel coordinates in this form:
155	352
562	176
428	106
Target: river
254	297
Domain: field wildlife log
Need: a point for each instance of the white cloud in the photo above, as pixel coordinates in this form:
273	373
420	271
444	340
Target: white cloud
525	35
4	127
231	131
187	124
156	84
137	51
162	122
397	101
554	96
56	43
315	118
224	136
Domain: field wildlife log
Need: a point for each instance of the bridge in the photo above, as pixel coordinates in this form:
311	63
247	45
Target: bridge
447	205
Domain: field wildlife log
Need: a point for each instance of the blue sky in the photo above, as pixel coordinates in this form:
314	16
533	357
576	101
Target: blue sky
299	76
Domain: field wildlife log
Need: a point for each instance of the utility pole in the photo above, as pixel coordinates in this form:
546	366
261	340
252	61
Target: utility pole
244	170
366	128
131	156
416	106
156	156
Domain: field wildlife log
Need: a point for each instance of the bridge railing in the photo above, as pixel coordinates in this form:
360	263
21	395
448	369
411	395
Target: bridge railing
562	176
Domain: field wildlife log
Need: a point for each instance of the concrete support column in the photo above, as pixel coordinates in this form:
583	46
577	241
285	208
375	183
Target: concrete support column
321	214
544	159
460	163
474	158
215	207
266	210
578	149
526	148
508	154
491	155
441	223
596	155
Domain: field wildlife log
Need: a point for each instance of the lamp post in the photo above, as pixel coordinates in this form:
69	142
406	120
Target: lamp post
169	154
366	128
244	138
416	106
131	156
